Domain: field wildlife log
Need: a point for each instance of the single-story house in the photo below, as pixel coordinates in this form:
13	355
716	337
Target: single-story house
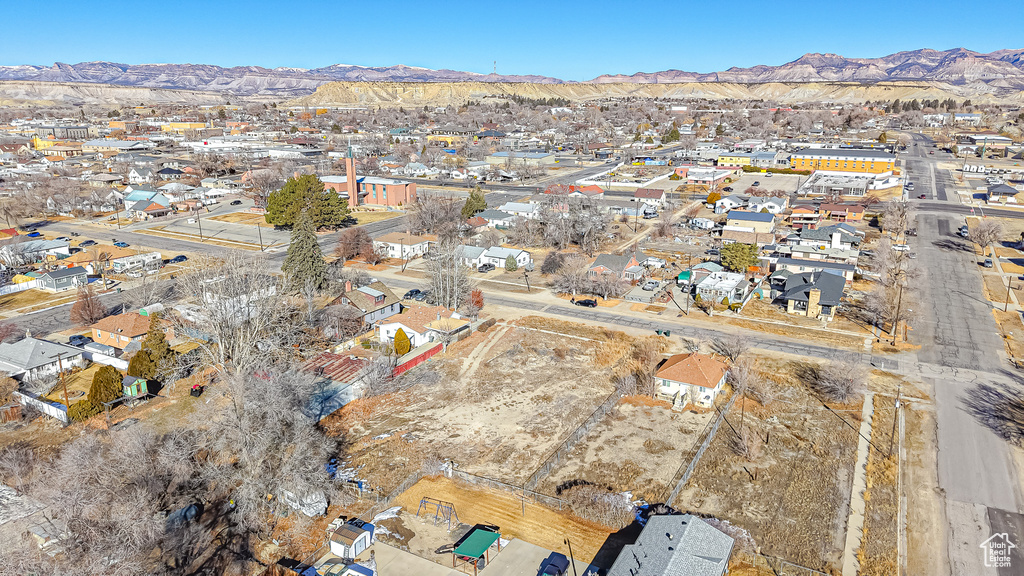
423	324
730	236
834	236
691	379
731	202
771	205
376	301
472	256
675	544
1001	193
649	196
751	221
63	279
497	256
34	251
814	294
528	210
402	245
842	212
497	218
718	286
31	359
624	266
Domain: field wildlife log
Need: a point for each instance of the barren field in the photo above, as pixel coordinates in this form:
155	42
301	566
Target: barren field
637	447
496	403
794	497
877	553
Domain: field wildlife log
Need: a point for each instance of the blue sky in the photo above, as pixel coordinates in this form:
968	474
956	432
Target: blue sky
568	40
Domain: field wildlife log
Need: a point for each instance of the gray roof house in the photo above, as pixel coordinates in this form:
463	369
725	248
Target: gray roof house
497	218
64	279
1000	191
497	255
33	359
826	237
472	255
675	546
814	294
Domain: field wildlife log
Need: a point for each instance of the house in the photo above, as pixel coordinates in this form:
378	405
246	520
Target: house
1001	193
760	222
403	245
649	196
769	205
805	217
731	202
743	237
719	286
376	301
34	251
834	236
145	210
691	379
624	266
32	359
498	256
798	266
140	176
528	210
672	545
423	324
134	387
122	329
702	223
63	279
497	218
472	256
814	294
842	212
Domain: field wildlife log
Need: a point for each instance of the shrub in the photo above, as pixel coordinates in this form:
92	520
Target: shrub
83	410
486	324
600	505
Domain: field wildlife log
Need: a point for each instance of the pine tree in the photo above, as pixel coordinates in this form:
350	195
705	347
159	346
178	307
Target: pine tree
510	264
306	193
474	204
142	365
402	343
304	266
106	385
156	340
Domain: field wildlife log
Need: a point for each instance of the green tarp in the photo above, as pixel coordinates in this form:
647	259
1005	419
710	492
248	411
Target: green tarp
477	543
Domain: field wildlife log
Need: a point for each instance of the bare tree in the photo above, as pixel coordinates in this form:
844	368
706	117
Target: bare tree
840	380
352	242
87	309
732	346
436	214
449	279
262	182
610	285
985	233
573	276
897	217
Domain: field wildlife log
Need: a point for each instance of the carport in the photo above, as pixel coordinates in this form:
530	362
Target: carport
475	548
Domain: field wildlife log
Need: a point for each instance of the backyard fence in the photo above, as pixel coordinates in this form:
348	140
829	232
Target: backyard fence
574	437
524	493
700	445
770	565
52	409
104	359
21	287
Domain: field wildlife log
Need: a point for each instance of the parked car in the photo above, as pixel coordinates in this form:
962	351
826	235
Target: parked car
63	238
485	267
922	196
912	232
75	234
178	259
555	565
649	215
33	234
134	274
411	294
910	186
767	174
651	285
122	244
422	296
586	302
757	183
900	248
79	340
987	263
964	232
236	202
727	189
712	252
87	243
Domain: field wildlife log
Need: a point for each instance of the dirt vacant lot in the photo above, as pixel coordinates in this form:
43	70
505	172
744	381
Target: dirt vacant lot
496	403
638	447
794	497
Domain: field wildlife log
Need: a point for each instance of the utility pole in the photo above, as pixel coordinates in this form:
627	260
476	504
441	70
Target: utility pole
572	560
60	376
527	278
1006	304
895	417
259	230
199	220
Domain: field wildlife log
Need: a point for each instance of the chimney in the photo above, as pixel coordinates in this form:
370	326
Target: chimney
348	285
813	298
836	239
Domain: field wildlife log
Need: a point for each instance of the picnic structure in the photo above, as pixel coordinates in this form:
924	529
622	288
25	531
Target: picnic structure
474	548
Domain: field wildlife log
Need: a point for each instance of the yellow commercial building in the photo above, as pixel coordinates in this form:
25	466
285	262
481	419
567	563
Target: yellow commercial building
734	159
844	160
179	127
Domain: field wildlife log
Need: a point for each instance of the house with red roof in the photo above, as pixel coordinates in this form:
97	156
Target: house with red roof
691	379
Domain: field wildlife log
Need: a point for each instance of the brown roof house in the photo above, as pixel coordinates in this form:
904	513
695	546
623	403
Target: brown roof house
376	301
691	379
423	324
121	330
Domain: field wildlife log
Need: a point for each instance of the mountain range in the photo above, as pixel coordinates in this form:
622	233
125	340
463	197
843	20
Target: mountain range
999	72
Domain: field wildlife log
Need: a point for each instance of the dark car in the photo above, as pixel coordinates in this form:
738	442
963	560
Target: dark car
757	183
485	268
236	202
178	259
586	302
411	294
712	252
922	196
422	296
87	243
556	565
79	340
727	189
122	244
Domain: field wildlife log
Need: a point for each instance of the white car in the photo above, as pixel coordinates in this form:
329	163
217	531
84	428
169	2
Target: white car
900	247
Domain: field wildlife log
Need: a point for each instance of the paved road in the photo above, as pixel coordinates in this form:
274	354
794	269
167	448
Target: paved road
956	329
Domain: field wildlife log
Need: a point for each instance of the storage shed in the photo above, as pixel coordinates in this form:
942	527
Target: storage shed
351	538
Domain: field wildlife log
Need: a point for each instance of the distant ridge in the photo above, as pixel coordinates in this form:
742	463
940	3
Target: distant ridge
996	73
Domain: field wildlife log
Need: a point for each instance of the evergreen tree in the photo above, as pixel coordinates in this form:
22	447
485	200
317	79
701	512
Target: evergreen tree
156	341
737	257
106	385
474	204
142	365
306	194
402	343
304	266
510	264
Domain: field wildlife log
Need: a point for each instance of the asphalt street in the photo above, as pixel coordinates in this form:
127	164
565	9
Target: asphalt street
956	329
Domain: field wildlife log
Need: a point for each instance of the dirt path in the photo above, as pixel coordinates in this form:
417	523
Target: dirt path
472	362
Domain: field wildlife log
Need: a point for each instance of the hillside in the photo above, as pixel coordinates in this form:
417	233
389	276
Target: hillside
443	94
15	93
